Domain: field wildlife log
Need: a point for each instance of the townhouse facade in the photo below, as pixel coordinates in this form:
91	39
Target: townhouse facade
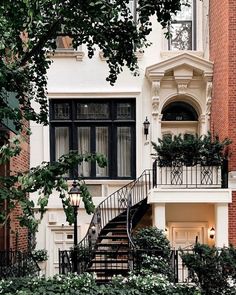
184	87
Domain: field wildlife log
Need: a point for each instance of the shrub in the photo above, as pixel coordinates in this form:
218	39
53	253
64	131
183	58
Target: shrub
58	285
191	150
214	270
146	283
153	252
152	238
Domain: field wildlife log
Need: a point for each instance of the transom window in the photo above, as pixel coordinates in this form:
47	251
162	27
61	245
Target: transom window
102	126
183	28
179	111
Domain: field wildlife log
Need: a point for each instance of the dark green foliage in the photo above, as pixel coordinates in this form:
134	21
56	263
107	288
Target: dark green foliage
152	238
44	179
214	270
152	252
191	150
142	284
58	285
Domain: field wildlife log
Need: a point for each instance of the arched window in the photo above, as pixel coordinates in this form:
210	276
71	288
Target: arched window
179	111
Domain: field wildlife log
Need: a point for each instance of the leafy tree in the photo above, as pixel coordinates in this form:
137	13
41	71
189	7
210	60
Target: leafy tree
28	33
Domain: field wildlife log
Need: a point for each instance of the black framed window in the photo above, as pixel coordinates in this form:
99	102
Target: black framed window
102	126
183	28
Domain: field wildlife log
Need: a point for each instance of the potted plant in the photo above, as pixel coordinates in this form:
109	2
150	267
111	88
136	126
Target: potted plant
191	150
40	256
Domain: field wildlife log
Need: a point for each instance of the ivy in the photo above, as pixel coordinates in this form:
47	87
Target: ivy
44	179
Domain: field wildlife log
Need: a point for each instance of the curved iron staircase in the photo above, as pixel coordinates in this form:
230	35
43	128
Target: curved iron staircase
105	249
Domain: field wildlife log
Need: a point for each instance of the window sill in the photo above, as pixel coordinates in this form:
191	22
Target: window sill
172	53
79	55
139	55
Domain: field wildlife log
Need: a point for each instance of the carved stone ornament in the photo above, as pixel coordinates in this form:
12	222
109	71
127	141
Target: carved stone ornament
182	88
156	88
209	90
208	98
155	98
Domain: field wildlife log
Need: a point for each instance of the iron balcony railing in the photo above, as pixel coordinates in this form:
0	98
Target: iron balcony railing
17	264
197	176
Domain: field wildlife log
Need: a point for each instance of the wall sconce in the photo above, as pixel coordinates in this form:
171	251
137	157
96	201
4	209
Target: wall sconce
212	233
93	228
146	124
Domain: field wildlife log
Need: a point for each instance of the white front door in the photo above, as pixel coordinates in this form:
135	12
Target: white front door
186	237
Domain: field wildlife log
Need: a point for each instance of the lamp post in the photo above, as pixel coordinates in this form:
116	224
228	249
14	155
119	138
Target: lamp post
74	198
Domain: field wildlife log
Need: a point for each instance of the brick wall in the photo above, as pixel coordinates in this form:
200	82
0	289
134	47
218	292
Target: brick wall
19	235
222	23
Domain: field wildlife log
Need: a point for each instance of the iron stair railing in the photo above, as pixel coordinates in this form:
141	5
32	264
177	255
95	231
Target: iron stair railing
107	210
137	195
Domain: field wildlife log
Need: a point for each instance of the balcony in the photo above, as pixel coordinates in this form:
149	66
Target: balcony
198	176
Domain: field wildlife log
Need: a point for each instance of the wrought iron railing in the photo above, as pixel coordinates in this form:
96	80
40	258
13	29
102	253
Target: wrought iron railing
17	264
114	205
110	208
196	176
180	271
137	194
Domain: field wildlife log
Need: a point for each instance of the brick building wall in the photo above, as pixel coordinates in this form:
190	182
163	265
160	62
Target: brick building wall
19	235
222	25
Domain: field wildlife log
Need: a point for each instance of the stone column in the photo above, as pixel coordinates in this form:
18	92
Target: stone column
159	216
221	224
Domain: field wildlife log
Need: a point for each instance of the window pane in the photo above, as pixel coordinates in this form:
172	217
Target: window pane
84	147
62	141
124	151
181	36
92	111
64	43
181	29
102	148
186	12
124	111
61	111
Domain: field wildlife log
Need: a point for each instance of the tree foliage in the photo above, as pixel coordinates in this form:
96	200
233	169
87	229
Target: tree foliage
28	33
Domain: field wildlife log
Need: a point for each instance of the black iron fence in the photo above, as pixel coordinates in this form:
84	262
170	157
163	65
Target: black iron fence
196	176
133	260
17	264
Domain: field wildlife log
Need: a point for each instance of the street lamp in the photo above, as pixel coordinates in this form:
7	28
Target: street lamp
74	199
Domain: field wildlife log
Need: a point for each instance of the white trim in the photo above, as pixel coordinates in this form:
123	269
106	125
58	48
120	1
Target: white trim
94	94
158	195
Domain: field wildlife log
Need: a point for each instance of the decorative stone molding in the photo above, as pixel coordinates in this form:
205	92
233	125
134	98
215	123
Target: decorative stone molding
208	98
202	119
209	89
182	87
79	55
155	98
